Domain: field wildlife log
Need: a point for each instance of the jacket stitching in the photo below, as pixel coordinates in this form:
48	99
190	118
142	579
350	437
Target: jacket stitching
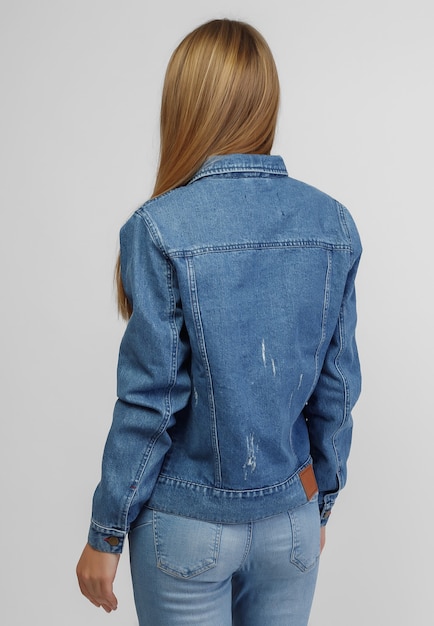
203	352
259	246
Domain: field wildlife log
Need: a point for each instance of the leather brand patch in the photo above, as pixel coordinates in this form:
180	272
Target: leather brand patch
308	481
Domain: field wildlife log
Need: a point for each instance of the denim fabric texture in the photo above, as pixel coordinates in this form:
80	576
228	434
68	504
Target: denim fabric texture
188	571
238	368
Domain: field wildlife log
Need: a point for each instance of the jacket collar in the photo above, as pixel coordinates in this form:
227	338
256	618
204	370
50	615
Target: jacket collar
242	163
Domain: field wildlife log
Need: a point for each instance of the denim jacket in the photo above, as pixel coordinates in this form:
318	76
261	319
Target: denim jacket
238	369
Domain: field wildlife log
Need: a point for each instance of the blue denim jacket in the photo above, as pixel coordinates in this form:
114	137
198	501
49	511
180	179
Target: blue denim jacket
238	368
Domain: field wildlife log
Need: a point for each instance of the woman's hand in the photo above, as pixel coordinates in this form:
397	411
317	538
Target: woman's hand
322	538
96	572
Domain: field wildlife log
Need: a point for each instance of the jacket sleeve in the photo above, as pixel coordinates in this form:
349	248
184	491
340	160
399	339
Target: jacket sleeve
153	385
328	411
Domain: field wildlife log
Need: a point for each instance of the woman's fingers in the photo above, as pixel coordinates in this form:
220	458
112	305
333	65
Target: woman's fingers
322	538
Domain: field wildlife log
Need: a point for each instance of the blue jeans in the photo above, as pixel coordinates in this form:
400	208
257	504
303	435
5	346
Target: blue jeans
186	571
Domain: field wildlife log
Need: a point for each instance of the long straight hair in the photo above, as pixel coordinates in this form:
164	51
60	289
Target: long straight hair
220	96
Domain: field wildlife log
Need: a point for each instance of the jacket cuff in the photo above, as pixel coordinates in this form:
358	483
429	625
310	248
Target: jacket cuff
326	502
105	539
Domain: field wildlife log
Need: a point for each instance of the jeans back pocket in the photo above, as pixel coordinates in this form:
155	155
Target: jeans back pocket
305	524
185	547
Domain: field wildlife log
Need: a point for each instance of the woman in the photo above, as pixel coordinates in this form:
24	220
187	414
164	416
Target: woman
238	369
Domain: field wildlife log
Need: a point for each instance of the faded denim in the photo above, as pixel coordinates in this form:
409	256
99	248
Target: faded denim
239	366
188	571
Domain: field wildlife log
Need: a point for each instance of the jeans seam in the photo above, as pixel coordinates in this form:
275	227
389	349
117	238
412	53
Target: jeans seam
248	546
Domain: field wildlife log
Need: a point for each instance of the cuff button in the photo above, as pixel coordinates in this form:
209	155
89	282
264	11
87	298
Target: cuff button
112	541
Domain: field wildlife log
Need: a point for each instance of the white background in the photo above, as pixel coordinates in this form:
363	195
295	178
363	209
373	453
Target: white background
81	84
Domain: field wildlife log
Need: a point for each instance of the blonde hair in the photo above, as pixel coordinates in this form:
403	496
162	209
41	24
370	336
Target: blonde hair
220	96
